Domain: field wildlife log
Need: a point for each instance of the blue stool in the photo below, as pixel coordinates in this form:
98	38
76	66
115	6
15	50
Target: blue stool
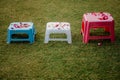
16	28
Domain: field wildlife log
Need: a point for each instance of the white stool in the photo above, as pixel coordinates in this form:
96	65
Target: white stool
58	28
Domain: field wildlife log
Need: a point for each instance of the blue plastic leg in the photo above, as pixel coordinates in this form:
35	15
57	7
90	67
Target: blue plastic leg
8	37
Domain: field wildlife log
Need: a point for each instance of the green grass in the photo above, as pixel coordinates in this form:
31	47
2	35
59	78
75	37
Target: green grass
58	60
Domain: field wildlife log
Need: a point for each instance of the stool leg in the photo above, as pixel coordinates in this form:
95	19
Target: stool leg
34	33
69	37
46	37
84	30
112	33
86	33
9	37
31	36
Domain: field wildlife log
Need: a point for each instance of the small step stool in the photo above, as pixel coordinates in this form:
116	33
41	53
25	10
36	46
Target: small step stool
58	28
16	28
97	20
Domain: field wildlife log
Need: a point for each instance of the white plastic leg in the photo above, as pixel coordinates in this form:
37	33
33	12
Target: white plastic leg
46	37
69	37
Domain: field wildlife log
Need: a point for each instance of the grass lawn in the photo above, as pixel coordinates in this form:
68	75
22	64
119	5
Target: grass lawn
58	60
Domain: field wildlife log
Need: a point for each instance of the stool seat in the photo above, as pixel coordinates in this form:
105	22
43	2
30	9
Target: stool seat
97	20
57	28
16	28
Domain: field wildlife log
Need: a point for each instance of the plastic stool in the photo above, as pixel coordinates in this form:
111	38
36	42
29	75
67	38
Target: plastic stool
97	20
21	28
58	28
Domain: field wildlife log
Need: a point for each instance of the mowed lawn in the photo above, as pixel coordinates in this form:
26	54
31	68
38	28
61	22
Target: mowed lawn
58	60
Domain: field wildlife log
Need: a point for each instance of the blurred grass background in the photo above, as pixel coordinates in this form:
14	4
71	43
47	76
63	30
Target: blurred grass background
58	60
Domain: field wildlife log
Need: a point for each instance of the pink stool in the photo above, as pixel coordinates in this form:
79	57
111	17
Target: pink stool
97	20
